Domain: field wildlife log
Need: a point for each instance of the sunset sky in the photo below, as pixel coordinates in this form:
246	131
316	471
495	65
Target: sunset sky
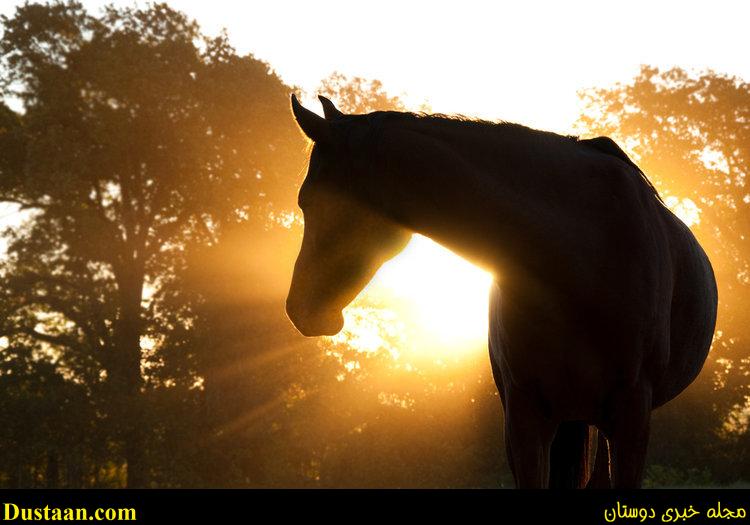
517	61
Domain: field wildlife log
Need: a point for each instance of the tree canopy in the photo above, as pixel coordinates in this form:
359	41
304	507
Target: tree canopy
138	136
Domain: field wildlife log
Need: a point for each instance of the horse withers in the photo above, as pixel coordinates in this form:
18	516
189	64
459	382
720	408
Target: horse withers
607	304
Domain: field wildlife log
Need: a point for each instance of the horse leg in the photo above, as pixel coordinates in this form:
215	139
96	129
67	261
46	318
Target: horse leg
600	474
528	436
628	436
497	376
508	448
569	456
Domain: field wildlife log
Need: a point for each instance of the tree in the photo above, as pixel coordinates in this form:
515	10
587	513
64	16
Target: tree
49	429
690	132
138	136
359	95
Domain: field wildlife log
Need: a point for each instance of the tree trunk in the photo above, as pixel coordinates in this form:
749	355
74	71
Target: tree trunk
127	380
134	456
52	474
131	417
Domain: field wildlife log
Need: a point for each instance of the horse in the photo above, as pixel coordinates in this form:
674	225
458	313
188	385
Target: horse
603	303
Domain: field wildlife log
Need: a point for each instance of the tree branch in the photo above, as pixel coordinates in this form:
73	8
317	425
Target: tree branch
57	340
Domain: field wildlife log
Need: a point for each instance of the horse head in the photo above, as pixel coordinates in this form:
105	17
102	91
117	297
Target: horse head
345	241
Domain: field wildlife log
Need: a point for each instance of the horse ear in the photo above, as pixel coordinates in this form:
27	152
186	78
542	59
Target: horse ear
329	110
315	127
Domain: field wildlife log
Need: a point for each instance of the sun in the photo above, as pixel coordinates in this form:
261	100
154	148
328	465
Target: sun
434	302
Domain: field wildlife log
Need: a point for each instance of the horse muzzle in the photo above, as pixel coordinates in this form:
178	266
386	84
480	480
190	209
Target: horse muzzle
312	323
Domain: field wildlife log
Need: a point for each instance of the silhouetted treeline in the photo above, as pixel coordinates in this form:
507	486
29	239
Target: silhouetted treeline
154	171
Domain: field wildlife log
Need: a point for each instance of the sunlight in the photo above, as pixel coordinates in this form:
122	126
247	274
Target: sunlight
371	329
687	211
429	299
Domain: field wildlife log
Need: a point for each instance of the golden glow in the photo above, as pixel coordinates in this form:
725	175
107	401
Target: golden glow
426	302
371	329
685	209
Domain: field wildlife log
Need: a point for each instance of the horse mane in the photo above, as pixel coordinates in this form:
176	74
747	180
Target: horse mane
377	120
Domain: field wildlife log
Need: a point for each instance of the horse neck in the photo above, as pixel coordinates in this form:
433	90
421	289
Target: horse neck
486	202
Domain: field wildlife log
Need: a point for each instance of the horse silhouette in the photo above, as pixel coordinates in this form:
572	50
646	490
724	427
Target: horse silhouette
603	305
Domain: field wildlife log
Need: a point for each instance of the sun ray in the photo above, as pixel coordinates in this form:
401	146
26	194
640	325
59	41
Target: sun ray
434	300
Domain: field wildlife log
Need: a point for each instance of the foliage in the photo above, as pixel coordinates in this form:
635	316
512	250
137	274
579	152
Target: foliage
660	476
358	95
138	137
